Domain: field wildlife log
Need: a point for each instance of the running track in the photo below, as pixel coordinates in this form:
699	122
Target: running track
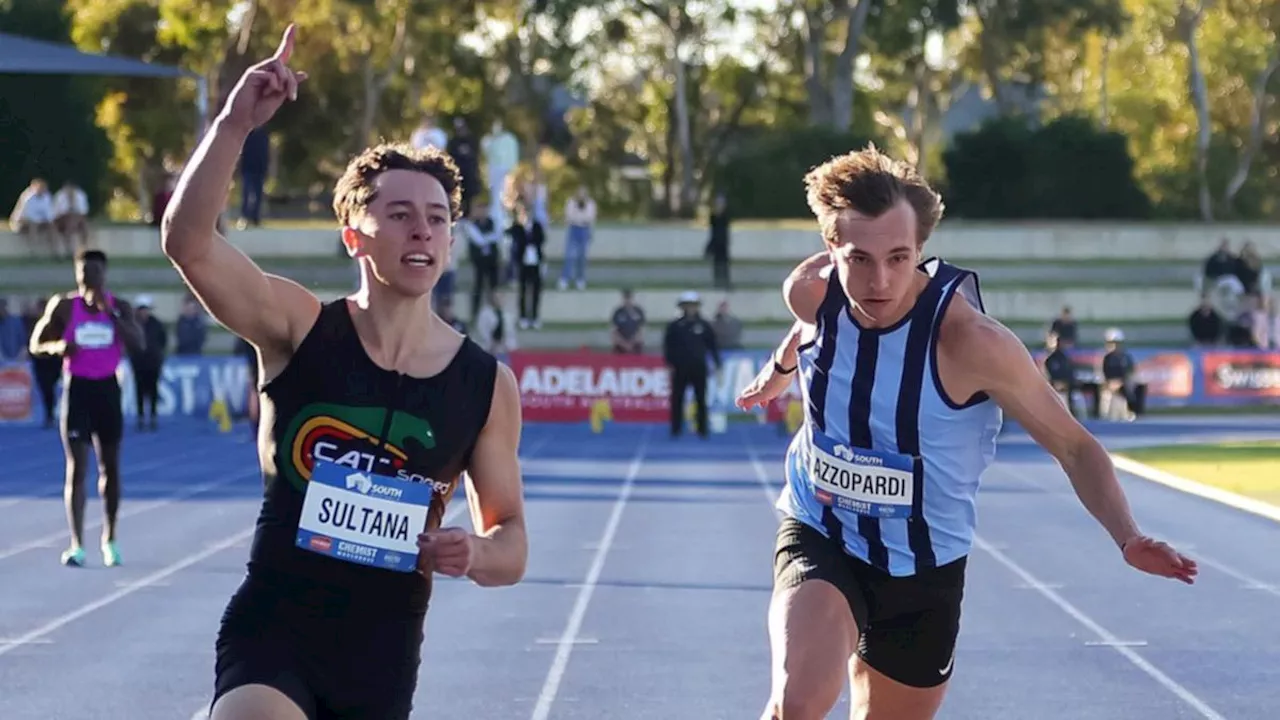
646	589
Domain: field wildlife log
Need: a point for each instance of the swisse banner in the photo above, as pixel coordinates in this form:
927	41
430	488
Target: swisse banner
564	387
1241	374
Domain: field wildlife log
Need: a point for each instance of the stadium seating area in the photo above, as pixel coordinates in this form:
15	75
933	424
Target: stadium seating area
1138	277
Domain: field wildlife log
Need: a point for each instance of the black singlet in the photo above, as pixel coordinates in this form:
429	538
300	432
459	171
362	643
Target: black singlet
333	402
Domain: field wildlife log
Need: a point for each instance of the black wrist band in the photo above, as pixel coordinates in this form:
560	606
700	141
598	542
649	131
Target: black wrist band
778	368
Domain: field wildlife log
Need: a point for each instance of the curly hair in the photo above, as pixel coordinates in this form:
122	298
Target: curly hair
355	190
870	183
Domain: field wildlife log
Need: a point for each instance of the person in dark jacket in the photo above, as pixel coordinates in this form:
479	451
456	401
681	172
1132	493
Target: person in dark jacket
527	240
148	361
718	243
1061	369
1207	326
687	343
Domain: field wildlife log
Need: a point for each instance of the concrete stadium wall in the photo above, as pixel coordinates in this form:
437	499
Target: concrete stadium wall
968	241
595	306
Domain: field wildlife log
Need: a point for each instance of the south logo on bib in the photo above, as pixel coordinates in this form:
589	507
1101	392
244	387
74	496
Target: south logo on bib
363	518
867	482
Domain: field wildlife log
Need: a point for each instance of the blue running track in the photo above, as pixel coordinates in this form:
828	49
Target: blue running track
647	587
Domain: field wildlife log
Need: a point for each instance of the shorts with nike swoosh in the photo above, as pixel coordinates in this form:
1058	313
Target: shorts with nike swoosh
907	626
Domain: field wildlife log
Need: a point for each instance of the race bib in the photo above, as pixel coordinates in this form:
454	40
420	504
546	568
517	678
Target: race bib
868	482
363	518
95	335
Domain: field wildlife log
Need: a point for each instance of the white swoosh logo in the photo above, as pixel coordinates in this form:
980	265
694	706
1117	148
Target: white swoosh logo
950	662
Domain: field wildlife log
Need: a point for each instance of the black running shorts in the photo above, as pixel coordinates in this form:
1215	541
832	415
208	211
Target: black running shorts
907	626
332	661
92	407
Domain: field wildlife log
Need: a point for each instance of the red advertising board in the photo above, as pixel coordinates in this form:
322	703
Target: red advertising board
1241	374
15	392
569	387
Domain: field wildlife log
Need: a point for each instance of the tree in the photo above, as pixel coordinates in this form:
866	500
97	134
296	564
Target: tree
47	125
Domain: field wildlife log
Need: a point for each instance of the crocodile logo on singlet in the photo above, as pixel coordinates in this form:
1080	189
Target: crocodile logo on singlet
347	435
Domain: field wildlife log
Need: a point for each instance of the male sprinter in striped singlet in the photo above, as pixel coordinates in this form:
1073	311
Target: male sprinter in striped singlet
372	407
90	329
904	378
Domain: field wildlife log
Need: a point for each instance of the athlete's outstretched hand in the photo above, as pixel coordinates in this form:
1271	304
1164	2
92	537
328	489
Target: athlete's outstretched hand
1159	558
264	87
448	551
767	385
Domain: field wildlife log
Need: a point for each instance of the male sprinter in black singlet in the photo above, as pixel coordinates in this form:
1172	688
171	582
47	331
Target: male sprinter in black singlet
372	408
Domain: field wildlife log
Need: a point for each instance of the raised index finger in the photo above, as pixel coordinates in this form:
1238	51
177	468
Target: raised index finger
285	51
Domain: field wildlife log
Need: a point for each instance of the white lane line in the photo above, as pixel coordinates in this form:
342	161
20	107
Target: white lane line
763	476
568	639
186	562
1191	487
1103	634
128	512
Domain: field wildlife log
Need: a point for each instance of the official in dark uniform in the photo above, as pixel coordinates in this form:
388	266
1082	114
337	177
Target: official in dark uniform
687	343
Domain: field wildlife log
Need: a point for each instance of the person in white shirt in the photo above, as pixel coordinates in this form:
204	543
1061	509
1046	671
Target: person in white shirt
580	216
501	153
494	331
71	215
32	218
428	134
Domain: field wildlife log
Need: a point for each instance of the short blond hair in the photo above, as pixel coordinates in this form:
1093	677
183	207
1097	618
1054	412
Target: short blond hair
870	182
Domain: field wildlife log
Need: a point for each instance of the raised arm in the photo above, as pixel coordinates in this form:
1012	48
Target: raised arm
991	359
271	312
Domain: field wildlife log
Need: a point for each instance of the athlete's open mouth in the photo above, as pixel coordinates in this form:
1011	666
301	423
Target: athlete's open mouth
418	259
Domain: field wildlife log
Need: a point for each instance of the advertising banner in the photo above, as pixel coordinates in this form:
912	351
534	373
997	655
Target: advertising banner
577	386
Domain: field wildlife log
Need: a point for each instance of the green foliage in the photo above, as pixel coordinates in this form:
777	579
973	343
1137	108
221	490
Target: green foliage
764	178
47	125
1066	169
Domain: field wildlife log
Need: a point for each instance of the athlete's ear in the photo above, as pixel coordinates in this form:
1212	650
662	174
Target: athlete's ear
353	241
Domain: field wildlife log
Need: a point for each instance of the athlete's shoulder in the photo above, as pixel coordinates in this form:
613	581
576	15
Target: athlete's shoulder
806	286
976	341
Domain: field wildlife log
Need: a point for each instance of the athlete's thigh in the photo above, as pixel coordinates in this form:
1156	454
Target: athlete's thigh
877	696
907	654
813	621
256	702
106	413
812	636
74	422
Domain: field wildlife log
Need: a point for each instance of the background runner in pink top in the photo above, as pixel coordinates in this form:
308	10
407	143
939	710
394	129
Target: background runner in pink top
97	347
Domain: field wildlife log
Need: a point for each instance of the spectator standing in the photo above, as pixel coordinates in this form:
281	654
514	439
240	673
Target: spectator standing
527	240
687	343
147	362
428	135
1065	326
255	161
466	155
580	217
13	336
192	329
483	238
718	242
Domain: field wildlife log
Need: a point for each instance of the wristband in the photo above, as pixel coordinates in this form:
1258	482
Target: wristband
781	370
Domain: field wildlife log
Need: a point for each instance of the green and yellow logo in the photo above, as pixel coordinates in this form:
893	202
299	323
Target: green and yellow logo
348	436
